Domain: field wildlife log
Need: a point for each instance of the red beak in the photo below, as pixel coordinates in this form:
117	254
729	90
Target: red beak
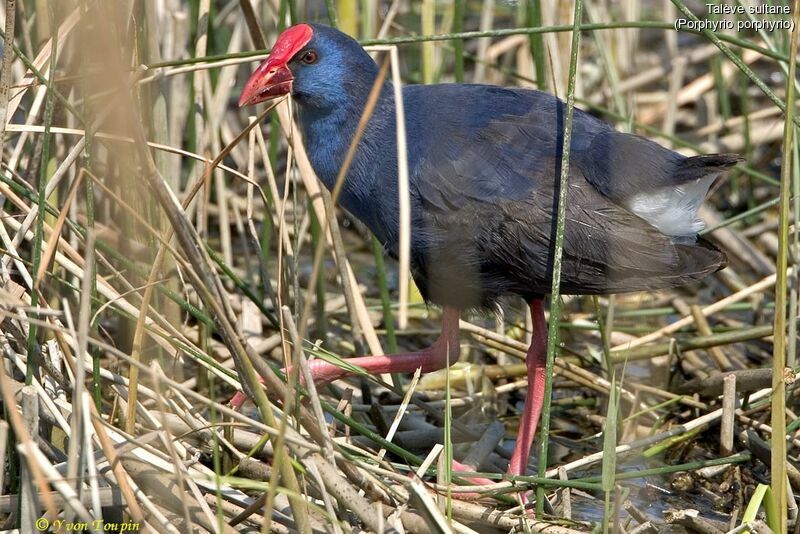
270	80
273	78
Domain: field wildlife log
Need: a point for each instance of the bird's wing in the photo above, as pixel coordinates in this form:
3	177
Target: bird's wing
607	248
503	161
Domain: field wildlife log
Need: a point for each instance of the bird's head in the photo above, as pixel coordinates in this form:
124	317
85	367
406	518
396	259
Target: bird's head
316	64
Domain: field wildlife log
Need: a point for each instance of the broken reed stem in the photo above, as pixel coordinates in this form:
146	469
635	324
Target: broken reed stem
778	415
558	246
726	427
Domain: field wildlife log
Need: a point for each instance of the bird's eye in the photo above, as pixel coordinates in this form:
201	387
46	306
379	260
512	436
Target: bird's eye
309	57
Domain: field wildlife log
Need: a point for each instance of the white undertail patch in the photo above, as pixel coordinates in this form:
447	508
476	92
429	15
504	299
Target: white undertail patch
673	210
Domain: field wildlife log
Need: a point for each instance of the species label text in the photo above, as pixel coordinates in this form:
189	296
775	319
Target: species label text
760	17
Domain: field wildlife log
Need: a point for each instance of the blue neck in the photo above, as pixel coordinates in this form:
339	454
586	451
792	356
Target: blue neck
370	186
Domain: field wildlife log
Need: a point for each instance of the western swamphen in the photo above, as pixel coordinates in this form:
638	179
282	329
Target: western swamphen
484	166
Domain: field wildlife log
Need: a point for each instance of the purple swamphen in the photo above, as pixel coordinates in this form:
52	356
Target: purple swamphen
484	165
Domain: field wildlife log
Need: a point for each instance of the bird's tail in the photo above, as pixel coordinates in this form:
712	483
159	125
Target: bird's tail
700	259
675	213
697	167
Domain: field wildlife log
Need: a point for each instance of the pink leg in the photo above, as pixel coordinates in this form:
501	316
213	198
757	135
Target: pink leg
536	361
238	400
435	357
429	359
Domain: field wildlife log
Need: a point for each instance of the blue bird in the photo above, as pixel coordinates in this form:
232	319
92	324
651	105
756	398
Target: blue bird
484	167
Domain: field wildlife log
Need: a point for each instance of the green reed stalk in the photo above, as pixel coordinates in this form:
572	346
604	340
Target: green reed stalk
44	171
555	303
537	44
778	415
458	44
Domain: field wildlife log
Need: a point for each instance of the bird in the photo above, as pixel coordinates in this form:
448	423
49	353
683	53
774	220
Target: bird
484	165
